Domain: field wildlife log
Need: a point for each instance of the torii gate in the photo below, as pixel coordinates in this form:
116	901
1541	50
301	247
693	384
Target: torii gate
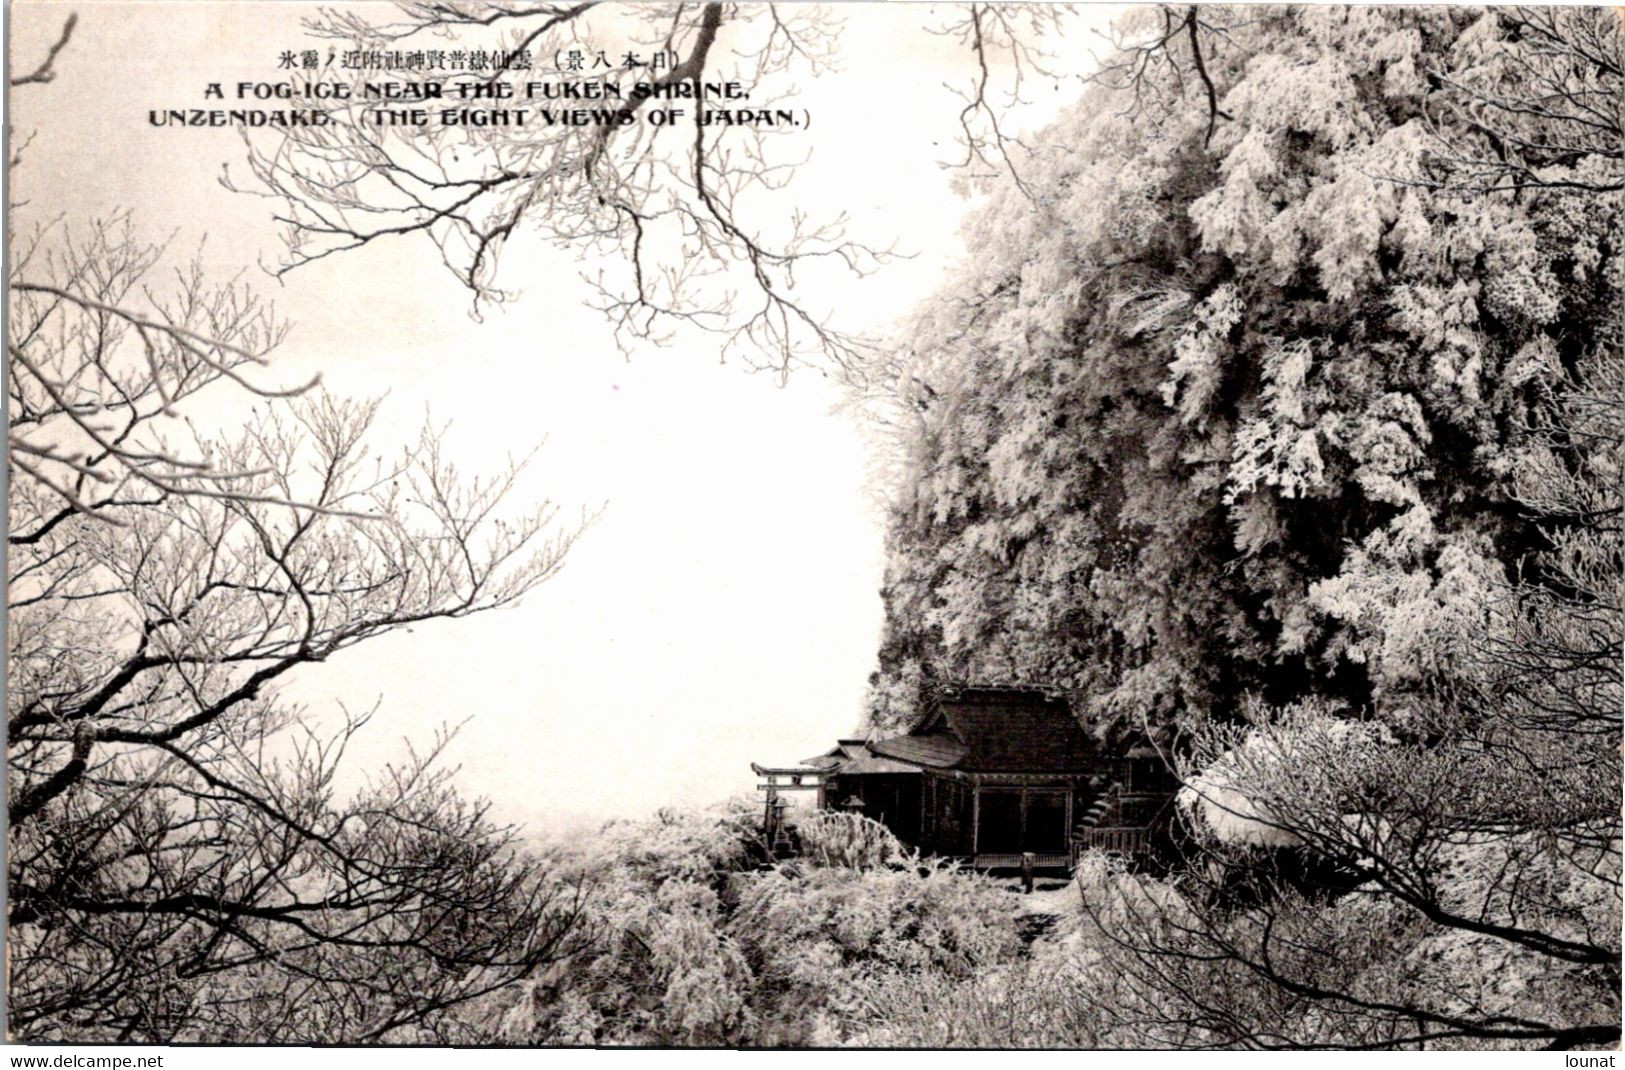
800	778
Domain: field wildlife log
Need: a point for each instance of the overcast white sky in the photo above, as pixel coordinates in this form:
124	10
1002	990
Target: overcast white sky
726	606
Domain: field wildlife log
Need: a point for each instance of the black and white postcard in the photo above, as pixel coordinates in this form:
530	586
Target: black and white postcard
537	524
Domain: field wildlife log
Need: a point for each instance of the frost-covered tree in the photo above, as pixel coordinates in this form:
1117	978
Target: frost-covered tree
1443	872
181	862
1233	396
681	227
1283	421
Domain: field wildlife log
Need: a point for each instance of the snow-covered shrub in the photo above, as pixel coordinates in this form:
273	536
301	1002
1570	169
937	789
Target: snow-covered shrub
1165	966
829	838
1023	1004
692	944
699	845
658	968
815	937
1251	783
1515	880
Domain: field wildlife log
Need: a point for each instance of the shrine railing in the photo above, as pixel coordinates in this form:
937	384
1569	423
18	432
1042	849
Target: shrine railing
1014	861
1118	839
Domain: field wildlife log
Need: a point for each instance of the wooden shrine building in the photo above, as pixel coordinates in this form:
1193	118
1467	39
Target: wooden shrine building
989	775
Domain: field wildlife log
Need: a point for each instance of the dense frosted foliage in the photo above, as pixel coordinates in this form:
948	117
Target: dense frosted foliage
696	938
1287	425
1208	416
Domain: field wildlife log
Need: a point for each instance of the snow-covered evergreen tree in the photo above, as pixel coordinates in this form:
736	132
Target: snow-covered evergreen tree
1233	395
